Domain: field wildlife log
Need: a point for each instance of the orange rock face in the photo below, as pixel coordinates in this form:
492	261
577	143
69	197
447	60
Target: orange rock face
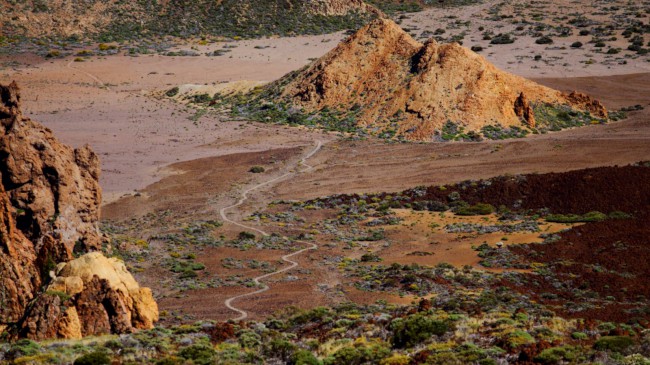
49	211
524	111
416	88
54	187
588	103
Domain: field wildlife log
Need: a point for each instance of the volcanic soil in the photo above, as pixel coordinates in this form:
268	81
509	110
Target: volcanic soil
168	168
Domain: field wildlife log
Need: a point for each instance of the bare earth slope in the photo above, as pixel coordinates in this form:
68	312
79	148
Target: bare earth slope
398	83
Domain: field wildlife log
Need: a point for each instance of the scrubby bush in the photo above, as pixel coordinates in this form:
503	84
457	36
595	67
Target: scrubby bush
594	216
477	209
579	336
576	44
256	169
410	331
613	343
23	347
519	338
93	358
201	98
280	348
619	215
200	354
556	355
172	92
245	235
358	355
502	39
544	40
303	357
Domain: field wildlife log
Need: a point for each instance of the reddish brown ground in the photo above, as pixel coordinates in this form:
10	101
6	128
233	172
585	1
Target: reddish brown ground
201	187
609	258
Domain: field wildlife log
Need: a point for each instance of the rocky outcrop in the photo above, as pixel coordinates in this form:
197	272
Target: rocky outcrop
19	276
54	188
100	297
586	102
49	212
415	89
524	111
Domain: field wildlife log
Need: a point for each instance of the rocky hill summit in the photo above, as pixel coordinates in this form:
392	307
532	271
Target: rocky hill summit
390	84
54	282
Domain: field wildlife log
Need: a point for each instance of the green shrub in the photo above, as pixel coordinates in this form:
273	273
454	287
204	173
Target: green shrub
594	216
24	347
556	355
303	357
201	98
500	132
519	338
245	235
199	354
280	348
410	331
619	215
172	92
544	40
170	360
576	44
358	355
62	295
93	358
249	339
579	336
502	39
613	343
478	209
256	169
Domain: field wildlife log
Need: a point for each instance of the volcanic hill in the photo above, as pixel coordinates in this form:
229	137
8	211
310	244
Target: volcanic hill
383	80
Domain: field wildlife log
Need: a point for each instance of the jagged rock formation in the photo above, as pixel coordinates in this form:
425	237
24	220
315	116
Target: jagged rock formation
398	83
524	111
19	276
49	211
54	188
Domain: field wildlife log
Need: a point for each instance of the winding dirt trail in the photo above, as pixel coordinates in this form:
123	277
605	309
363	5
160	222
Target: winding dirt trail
286	258
97	79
